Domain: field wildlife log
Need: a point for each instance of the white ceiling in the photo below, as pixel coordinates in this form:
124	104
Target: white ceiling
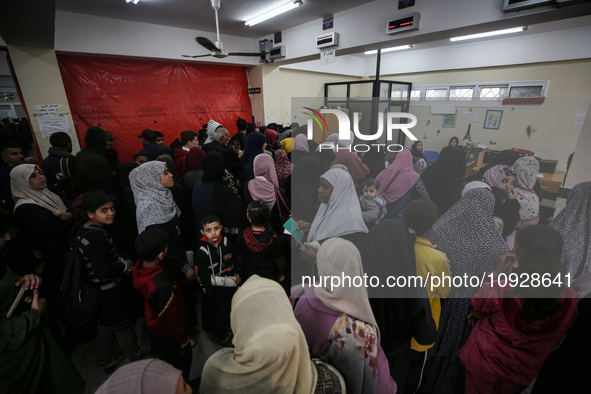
198	14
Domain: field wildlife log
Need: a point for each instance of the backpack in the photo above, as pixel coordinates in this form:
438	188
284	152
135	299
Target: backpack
79	298
64	182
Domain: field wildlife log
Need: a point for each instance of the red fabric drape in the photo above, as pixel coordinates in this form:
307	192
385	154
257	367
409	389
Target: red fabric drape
126	96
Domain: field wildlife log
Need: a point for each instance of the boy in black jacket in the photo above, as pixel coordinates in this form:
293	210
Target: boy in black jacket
219	276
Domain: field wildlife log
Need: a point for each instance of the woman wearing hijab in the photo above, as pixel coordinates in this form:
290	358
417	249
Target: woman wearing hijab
501	179
417	150
300	148
287	144
254	144
339	214
526	175
445	178
283	166
400	184
270	353
151	376
574	224
344	156
265	188
401	313
212	195
453	142
339	324
270	139
467	234
43	219
187	162
155	208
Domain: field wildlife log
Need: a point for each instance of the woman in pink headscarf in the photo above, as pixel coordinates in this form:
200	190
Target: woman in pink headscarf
400	184
265	188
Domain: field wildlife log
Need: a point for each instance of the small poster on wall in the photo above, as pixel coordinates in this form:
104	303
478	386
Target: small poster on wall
492	120
449	120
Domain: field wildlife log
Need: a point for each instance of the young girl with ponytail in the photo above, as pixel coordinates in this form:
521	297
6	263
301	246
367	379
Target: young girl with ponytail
519	326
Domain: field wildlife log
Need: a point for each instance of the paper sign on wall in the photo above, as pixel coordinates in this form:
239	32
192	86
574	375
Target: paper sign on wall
48	109
470	116
327	57
53	124
579	119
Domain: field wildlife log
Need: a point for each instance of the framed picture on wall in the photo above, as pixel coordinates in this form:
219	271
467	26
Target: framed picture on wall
449	120
492	120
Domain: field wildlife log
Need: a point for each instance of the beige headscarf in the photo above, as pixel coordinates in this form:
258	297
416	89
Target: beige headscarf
23	193
270	354
339	257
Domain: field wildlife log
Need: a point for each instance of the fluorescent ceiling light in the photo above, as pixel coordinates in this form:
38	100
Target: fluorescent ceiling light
270	14
490	33
389	49
132	1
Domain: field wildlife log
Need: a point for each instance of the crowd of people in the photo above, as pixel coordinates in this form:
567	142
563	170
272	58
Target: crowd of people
236	223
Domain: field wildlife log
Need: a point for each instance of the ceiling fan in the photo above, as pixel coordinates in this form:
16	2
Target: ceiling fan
7	96
217	49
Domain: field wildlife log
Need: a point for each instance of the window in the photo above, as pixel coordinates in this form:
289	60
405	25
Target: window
526	91
461	93
435	94
490	93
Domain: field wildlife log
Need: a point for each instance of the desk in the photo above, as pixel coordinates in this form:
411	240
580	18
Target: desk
550	182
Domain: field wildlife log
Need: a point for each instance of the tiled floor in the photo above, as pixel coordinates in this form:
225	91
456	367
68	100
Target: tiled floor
85	355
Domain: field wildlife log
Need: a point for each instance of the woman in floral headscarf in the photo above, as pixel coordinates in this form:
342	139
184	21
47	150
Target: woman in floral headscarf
501	178
339	324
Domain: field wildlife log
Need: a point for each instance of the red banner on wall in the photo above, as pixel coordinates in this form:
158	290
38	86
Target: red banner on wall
126	96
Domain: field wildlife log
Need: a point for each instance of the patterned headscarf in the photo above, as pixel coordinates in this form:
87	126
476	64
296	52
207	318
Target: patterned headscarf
497	173
153	201
212	125
282	165
526	174
420	165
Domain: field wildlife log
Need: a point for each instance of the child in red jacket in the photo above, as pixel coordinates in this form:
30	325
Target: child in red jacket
165	310
519	325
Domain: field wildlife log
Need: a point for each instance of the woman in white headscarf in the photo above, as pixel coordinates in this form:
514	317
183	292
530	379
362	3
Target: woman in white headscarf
339	324
43	220
270	353
339	214
155	208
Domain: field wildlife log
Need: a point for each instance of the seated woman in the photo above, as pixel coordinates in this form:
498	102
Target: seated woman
400	184
270	353
339	324
518	329
417	150
453	142
526	175
43	219
501	179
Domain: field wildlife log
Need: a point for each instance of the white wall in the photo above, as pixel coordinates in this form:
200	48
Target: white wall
569	92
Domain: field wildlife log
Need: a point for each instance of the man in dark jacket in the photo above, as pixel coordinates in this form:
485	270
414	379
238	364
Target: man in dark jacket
151	148
90	160
59	161
220	140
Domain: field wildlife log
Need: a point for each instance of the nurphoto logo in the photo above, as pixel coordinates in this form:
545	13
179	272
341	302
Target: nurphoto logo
344	130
